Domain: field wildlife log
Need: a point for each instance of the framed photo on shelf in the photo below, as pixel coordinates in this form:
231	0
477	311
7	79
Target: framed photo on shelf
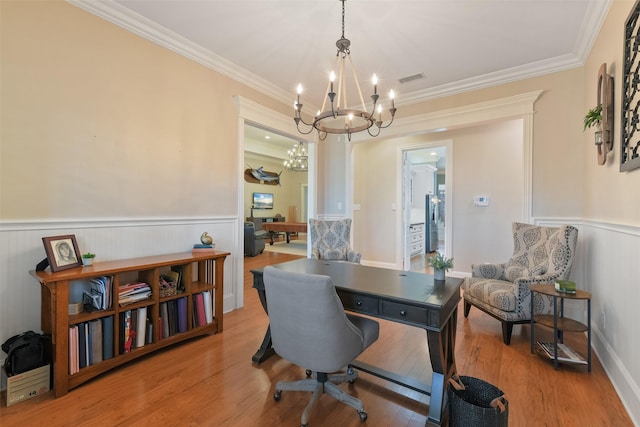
62	252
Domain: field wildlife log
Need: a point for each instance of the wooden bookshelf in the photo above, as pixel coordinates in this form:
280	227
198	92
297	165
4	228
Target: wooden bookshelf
202	271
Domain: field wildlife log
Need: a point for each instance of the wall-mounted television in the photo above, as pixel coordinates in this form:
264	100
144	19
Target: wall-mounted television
262	200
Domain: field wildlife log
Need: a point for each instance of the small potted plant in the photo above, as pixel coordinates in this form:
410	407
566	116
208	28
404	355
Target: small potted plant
440	264
594	118
87	259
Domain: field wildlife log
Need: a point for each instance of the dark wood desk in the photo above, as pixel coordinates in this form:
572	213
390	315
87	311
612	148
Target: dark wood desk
410	298
284	227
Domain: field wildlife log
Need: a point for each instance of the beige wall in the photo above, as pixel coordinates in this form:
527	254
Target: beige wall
98	122
610	195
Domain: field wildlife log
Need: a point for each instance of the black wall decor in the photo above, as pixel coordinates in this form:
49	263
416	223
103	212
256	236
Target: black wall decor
630	132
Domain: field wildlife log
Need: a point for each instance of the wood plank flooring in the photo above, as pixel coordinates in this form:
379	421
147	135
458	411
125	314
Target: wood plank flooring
210	381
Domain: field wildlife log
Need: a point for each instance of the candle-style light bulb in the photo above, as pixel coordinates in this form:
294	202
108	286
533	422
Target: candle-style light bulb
379	112
391	96
332	77
374	80
299	90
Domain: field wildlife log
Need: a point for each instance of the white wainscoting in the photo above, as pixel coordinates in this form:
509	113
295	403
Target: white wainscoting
21	249
612	275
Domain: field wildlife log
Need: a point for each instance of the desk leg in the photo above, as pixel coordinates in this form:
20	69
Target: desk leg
443	362
266	349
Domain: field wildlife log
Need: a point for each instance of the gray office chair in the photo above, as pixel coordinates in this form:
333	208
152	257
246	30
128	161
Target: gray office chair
310	329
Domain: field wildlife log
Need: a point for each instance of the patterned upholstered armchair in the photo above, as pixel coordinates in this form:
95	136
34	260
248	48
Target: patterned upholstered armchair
330	240
540	255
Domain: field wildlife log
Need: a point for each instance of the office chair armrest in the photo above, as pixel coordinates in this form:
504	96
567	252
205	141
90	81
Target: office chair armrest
488	271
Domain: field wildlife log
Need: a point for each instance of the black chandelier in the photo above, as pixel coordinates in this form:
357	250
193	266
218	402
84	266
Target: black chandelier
339	119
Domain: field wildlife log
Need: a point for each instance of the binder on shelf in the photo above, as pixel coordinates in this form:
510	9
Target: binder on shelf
95	332
107	337
149	332
82	344
182	314
164	315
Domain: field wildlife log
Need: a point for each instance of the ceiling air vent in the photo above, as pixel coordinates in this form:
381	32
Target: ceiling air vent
411	78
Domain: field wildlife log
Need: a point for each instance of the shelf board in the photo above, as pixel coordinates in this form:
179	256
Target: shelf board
564	323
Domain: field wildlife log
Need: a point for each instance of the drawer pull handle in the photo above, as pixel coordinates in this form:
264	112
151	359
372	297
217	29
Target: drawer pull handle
403	313
358	303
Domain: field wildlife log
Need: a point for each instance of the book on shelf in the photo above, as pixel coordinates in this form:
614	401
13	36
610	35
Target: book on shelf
178	269
198	303
74	366
141	328
208	306
203	246
565	353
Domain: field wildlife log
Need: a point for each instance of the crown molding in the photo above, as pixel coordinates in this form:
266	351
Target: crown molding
117	14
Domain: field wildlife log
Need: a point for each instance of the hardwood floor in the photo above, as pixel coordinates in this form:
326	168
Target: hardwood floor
210	381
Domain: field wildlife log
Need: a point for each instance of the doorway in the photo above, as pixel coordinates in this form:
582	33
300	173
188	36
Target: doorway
424	191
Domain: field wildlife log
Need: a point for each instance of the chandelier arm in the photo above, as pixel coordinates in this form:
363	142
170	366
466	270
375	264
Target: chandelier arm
377	133
299	118
388	124
300	130
355	78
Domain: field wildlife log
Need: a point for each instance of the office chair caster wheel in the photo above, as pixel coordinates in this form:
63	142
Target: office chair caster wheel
309	373
363	416
277	395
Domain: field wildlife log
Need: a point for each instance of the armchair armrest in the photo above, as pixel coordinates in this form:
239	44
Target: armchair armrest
523	284
353	256
488	271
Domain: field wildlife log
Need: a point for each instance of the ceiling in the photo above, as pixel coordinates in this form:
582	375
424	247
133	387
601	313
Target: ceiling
456	45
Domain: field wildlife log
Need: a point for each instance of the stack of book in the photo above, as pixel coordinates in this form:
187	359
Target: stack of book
200	247
173	317
565	354
133	292
90	343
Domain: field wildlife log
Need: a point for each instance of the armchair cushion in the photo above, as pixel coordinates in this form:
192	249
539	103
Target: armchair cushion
330	240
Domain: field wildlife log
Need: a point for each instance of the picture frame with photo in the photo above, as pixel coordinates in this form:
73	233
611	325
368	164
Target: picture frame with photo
62	252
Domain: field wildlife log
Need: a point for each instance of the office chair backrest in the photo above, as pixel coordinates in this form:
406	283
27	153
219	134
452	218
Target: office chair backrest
308	324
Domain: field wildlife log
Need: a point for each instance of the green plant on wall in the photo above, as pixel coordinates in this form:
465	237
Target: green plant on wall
593	117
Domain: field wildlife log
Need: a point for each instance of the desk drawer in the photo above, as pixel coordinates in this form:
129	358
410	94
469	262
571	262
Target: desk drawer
406	314
360	303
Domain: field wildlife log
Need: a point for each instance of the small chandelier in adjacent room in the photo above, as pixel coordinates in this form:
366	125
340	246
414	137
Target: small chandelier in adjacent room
298	160
338	118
